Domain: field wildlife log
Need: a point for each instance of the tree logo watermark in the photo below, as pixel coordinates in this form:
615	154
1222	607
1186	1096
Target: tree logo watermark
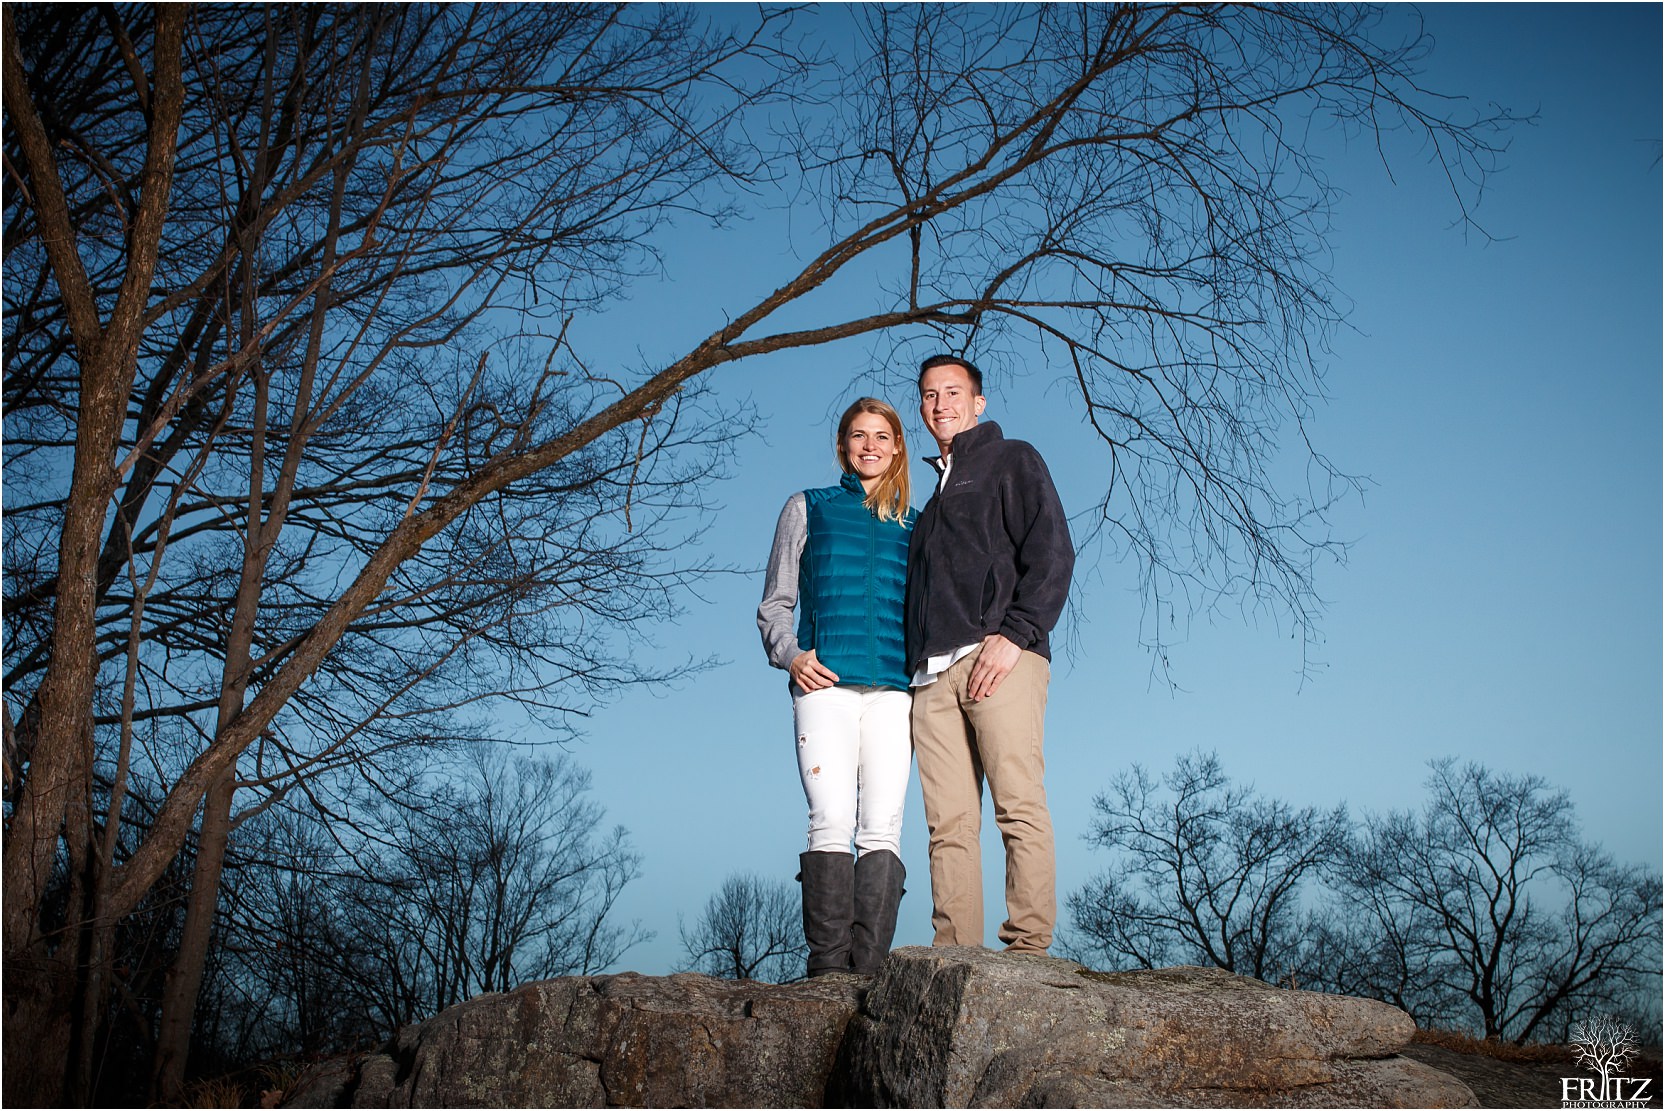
1604	1045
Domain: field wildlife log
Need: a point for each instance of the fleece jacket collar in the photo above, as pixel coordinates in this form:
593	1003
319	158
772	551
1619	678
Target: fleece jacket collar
979	435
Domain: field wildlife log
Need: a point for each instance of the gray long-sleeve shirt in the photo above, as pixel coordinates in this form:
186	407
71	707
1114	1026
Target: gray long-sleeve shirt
775	614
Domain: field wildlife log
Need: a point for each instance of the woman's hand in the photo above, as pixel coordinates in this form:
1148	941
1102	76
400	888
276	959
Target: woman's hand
808	673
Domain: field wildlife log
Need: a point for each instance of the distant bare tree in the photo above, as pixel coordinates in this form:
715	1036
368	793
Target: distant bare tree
506	875
1205	872
496	872
285	976
1486	909
752	929
1356	946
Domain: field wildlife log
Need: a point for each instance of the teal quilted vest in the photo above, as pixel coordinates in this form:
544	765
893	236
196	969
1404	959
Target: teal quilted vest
852	581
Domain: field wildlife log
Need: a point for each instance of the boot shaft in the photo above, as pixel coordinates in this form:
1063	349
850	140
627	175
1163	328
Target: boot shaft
878	896
829	881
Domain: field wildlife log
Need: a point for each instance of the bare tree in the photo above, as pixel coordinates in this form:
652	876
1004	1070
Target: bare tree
1358	946
284	973
507	875
1206	872
752	929
354	196
493	873
293	283
1488	910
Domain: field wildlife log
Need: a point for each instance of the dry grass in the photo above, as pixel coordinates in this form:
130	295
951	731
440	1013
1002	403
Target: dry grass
1457	1042
264	1085
221	1091
274	1081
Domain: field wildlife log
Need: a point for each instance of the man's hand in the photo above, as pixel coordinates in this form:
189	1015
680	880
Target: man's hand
995	661
809	674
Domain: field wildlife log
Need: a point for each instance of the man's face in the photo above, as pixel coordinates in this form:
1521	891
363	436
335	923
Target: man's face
949	403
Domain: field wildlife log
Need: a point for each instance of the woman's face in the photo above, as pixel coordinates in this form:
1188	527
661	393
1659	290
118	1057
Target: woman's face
869	446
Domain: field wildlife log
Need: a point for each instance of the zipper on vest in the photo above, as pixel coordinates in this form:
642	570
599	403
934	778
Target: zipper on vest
872	599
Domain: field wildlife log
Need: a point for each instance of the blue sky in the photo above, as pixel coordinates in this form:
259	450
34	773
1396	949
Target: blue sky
1502	597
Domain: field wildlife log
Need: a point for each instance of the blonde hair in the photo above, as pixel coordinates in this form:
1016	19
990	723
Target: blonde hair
889	497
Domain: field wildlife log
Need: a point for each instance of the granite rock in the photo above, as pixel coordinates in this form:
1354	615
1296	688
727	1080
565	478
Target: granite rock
946	1027
607	1041
966	1027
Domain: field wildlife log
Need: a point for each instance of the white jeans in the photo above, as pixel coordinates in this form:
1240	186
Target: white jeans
854	755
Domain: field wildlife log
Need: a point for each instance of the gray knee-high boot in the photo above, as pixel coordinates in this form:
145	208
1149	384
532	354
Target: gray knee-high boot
879	892
829	881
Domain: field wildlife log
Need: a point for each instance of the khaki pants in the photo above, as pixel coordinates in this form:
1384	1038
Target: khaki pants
958	743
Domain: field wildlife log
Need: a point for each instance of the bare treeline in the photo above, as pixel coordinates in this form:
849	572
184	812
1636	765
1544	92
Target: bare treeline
1483	910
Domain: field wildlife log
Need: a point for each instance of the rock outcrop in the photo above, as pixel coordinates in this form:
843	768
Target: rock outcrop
938	1028
970	1028
607	1041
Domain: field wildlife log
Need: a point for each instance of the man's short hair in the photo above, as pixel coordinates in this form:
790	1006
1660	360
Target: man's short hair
953	360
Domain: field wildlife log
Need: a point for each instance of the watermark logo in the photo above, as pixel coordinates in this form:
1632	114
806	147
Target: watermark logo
1604	1045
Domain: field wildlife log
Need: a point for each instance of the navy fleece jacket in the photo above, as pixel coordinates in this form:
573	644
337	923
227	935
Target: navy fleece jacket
990	553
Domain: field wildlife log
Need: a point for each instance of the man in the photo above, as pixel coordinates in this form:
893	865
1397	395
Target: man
989	566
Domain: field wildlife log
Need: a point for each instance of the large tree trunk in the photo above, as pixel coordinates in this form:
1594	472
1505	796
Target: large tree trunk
87	1030
39	1005
54	799
184	980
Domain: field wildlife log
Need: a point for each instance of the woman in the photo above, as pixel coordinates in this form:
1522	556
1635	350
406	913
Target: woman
840	560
